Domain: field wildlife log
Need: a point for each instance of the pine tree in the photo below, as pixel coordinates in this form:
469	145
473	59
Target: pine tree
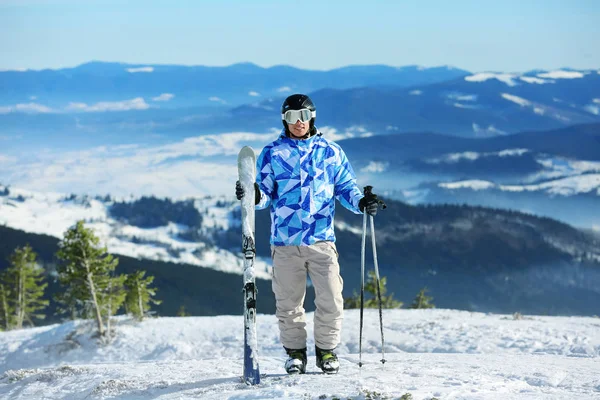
25	278
422	300
6	311
371	288
86	273
112	297
182	312
140	294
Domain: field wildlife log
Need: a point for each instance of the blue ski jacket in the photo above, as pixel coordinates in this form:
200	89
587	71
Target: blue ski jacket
300	180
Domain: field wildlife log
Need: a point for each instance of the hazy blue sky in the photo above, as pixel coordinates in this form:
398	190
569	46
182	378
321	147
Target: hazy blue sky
502	35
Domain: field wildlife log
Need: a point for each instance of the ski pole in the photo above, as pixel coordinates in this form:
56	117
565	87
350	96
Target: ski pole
362	287
378	289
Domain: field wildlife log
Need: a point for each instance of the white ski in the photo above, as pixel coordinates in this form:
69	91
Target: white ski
247	177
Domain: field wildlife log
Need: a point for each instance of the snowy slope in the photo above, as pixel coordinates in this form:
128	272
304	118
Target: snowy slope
430	353
53	213
589	183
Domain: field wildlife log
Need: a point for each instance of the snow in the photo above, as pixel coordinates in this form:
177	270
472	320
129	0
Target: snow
25	108
562	74
490	130
567	186
137	103
475	184
451	158
164	97
446	354
140	69
516	99
509	79
531	79
563	187
593	109
376	167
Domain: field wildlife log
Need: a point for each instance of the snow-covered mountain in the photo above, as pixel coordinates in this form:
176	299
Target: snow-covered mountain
93	105
551	173
475	106
53	213
429	354
104	87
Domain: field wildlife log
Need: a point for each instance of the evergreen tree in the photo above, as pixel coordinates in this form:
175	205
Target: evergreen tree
371	288
112	297
422	300
6	311
140	294
182	312
25	278
86	273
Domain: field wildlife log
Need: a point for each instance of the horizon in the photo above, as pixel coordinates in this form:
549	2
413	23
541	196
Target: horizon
475	36
417	66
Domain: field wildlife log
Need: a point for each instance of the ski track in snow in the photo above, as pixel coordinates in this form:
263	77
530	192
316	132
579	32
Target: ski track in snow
445	354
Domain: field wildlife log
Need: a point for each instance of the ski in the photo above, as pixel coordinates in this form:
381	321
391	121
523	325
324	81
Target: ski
247	177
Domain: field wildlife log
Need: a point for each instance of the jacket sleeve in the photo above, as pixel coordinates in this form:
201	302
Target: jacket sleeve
346	190
265	178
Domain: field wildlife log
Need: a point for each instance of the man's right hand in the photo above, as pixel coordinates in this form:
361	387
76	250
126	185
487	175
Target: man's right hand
240	192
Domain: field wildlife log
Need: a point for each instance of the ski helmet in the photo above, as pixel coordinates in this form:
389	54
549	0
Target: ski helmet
298	102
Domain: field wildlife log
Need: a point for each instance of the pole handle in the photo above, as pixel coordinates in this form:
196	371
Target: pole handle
368	190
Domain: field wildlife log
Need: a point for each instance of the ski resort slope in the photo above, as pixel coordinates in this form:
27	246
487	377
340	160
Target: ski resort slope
442	354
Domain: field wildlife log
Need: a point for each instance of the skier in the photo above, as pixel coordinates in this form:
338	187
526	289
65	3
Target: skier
299	176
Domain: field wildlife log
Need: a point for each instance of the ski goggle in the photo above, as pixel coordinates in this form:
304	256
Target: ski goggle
304	115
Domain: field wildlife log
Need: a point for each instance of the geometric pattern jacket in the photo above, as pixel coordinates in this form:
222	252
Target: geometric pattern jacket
300	180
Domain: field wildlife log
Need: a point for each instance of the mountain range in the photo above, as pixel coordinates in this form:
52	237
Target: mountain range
108	103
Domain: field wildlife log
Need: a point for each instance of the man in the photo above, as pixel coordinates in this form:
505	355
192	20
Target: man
299	176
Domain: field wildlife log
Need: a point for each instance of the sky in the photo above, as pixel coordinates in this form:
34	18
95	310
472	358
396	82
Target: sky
484	35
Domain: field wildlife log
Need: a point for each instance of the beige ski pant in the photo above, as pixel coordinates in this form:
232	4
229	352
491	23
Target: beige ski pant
290	265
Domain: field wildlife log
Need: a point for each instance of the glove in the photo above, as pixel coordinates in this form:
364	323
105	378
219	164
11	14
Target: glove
240	192
370	203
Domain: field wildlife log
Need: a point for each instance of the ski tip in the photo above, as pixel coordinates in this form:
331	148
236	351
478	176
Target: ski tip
246	150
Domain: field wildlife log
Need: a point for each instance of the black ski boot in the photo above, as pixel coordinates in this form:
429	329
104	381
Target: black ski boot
296	362
327	360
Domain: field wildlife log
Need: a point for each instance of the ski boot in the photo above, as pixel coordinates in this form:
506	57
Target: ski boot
327	360
296	362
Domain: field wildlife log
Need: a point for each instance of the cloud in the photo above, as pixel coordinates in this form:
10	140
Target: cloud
164	97
140	69
134	104
26	108
217	99
254	94
284	89
203	165
7	159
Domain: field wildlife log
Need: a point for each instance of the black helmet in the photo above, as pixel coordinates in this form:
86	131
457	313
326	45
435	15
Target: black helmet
298	102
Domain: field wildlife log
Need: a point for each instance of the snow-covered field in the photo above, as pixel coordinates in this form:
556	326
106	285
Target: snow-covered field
442	354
